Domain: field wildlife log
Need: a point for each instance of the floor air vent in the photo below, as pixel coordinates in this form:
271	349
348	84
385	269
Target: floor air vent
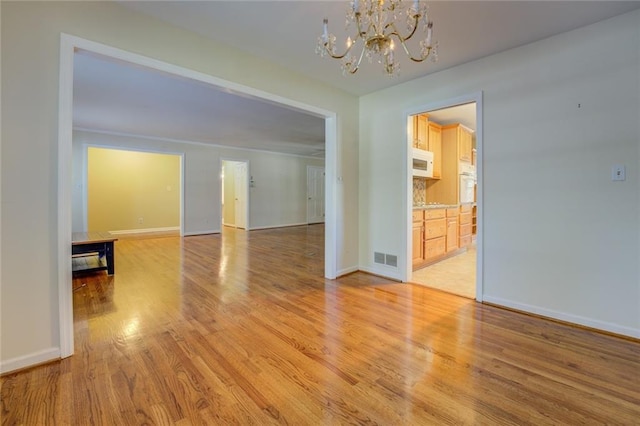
378	257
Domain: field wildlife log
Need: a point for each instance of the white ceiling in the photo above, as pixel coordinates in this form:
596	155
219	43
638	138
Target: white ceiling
117	97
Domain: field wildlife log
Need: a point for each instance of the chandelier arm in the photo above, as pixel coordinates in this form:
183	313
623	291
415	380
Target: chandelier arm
357	67
406	50
346	52
397	33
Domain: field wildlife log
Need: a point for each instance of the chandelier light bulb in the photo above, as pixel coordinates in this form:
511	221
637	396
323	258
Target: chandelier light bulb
375	24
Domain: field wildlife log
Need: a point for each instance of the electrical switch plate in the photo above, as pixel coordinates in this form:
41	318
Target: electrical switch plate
618	172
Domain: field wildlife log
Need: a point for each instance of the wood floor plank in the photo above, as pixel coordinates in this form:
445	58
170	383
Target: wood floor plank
242	328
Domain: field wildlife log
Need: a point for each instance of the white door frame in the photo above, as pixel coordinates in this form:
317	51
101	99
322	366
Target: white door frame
68	46
407	271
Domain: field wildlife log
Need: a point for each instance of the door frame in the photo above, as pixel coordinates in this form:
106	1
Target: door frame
85	176
247	192
68	46
407	270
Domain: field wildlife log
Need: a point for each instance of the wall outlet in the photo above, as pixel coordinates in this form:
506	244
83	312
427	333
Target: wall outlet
140	220
618	172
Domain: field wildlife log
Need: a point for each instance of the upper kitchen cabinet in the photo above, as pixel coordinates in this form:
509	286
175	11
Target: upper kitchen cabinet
427	135
434	138
420	134
462	138
465	141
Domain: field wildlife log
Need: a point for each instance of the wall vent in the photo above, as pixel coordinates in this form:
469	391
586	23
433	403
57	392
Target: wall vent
385	259
391	260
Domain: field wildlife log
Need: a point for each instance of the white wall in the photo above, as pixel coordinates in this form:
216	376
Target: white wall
30	71
560	238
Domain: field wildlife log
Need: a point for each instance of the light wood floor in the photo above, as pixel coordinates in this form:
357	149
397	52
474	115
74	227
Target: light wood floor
241	329
455	275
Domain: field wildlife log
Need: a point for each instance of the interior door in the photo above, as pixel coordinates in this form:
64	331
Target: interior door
241	195
315	194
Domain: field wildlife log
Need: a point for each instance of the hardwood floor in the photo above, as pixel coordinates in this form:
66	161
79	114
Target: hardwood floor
241	329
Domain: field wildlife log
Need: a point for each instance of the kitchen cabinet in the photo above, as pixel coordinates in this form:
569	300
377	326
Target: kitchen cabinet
452	230
465	225
465	141
418	237
420	133
474	220
428	136
435	231
429	235
439	232
434	144
455	139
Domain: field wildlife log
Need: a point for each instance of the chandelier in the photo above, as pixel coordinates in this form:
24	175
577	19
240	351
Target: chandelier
376	34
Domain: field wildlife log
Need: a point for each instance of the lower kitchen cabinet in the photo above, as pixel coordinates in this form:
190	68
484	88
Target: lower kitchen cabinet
435	231
452	230
438	233
434	247
418	237
465	225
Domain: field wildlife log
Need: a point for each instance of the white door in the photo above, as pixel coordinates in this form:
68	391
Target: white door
241	195
315	194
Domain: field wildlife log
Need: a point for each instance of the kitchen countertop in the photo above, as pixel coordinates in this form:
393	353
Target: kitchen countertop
439	206
435	206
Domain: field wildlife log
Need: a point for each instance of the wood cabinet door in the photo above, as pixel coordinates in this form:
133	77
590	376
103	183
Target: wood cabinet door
434	247
435	228
417	243
435	146
465	144
421	130
452	234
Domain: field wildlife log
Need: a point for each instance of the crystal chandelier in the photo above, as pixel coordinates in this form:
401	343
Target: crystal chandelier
376	33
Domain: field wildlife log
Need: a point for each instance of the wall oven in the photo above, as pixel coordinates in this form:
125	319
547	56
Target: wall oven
467	184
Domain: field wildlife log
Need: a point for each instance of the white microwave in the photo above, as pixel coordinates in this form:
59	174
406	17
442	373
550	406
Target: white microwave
422	163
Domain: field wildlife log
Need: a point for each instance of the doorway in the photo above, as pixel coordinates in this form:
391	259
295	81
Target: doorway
234	177
444	248
119	190
315	194
68	46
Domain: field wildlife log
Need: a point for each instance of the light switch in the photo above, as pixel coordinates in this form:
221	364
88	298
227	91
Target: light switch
618	172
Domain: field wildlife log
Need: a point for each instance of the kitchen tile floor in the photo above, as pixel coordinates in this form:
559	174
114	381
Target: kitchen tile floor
455	275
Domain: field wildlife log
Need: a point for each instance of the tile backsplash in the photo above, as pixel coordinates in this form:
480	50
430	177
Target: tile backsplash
419	191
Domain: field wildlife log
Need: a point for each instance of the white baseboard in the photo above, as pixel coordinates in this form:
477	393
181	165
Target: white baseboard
205	232
346	271
382	273
287	225
562	316
145	230
30	360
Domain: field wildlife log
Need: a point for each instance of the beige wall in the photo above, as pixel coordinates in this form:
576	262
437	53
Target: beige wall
30	37
129	190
